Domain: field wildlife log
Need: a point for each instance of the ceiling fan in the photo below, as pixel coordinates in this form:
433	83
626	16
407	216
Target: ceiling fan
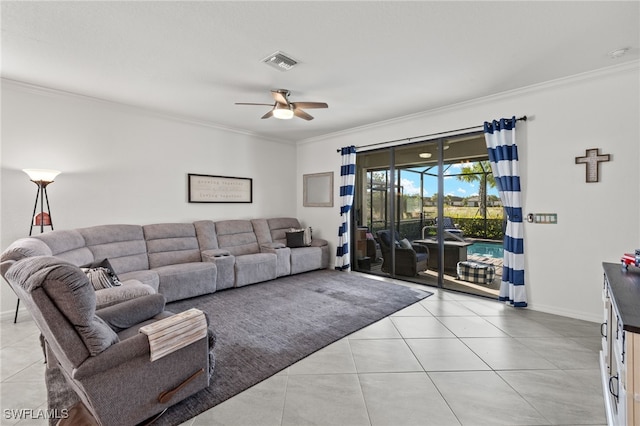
284	109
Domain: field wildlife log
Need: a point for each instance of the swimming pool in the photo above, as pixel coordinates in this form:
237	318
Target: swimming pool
486	249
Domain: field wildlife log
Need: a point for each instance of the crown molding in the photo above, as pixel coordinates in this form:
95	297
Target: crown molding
53	92
601	72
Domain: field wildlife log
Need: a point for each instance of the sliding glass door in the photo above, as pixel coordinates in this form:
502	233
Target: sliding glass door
391	195
422	208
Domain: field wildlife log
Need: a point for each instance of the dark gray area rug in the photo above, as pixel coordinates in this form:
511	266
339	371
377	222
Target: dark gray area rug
264	328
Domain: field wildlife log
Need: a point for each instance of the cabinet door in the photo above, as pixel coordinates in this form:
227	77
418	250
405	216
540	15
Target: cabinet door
605	331
633	379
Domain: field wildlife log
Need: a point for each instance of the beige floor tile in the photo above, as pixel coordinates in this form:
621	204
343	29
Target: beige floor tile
445	355
507	353
562	352
391	386
328	400
383	356
445	308
383	329
334	359
483	398
261	404
421	327
471	327
563	397
404	399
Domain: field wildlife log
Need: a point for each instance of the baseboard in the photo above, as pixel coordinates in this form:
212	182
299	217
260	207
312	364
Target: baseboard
566	313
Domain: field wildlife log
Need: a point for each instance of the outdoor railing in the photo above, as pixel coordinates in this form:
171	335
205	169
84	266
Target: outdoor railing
490	229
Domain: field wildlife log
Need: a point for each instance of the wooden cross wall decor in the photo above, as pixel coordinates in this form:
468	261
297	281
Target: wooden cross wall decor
592	159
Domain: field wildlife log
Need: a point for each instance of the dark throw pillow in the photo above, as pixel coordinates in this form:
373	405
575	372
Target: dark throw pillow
295	238
101	274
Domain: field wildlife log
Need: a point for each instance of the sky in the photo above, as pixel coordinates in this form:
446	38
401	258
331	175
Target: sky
452	186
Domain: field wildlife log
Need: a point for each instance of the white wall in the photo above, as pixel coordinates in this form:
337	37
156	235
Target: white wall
122	165
596	221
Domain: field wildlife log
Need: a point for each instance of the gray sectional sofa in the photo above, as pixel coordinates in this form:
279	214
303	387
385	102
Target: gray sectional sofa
93	333
179	260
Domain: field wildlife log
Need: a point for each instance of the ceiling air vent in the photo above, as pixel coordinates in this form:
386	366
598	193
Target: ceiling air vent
280	61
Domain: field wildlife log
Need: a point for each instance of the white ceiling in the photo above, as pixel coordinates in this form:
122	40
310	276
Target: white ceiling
370	61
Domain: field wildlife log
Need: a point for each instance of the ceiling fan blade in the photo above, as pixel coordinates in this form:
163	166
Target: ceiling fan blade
310	105
300	113
251	103
269	114
280	96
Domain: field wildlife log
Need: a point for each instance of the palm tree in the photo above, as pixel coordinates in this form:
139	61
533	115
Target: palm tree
479	171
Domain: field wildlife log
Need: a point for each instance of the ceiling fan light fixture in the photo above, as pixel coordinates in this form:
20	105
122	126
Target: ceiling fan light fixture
282	112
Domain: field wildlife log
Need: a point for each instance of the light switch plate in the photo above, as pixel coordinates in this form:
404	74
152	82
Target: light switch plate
549	218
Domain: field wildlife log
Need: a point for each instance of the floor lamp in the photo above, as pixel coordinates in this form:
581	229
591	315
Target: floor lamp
42	178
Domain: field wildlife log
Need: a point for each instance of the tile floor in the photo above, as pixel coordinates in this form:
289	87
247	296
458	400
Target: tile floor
451	359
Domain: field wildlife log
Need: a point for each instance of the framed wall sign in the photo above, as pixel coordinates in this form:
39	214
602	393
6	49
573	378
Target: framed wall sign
219	189
318	190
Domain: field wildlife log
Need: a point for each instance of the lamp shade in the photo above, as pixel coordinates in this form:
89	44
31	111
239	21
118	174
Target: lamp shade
41	175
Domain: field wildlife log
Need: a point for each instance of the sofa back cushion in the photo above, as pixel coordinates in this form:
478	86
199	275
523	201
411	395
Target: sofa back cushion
279	226
237	236
261	229
67	244
206	232
123	245
171	243
25	247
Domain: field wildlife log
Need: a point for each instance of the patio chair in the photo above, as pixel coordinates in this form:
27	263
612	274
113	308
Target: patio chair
409	260
450	227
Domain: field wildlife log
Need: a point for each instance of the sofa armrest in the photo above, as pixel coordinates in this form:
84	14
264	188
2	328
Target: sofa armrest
175	332
208	255
271	247
405	253
420	248
319	242
130	289
114	356
131	312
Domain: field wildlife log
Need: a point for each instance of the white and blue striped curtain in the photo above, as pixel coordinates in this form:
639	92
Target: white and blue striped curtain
347	184
500	136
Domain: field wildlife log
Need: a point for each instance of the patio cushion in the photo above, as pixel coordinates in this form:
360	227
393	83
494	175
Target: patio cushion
476	272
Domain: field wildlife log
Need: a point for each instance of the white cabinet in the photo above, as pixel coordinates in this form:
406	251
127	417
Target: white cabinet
621	345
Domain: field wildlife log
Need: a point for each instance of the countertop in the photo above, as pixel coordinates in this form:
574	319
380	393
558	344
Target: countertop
625	294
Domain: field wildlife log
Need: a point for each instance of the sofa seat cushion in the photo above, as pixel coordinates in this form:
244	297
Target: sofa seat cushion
305	259
130	289
186	280
255	268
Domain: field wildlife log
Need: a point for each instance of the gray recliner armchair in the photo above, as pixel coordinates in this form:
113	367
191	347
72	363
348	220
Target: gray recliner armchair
101	354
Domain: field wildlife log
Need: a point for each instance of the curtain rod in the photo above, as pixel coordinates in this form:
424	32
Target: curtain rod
523	118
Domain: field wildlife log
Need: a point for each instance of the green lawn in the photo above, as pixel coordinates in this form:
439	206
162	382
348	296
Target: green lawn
464	212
